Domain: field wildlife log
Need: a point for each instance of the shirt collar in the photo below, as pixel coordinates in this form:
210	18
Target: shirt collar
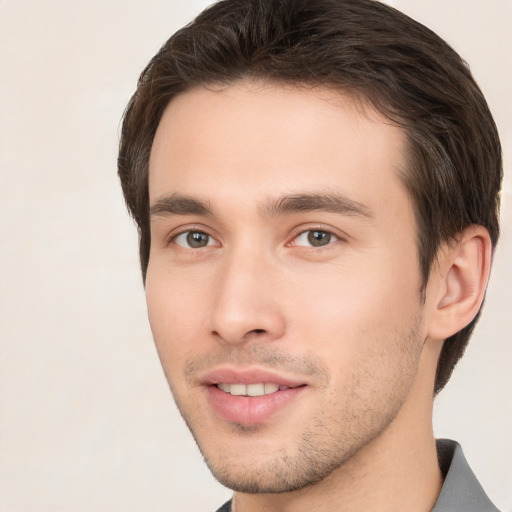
461	490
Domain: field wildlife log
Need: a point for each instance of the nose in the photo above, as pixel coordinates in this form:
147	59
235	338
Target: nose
247	305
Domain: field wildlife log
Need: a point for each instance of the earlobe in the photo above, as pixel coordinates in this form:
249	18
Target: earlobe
464	272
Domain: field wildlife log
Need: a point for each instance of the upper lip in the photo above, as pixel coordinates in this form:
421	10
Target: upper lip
226	375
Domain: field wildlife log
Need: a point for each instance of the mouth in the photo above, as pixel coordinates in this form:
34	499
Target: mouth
256	389
250	397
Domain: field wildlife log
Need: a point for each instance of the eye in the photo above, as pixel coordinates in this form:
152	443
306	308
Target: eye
193	240
315	238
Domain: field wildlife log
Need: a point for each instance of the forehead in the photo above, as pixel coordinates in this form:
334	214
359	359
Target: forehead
251	140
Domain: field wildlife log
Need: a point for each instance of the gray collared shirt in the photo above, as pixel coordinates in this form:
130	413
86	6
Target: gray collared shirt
461	490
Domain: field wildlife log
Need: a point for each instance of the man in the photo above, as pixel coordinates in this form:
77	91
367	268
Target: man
316	190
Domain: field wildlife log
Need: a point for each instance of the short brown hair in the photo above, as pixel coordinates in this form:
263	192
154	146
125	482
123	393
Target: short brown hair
399	66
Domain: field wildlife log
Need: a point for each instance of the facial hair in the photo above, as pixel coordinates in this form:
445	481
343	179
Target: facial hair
333	436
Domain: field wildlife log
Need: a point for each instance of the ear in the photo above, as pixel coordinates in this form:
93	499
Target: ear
462	274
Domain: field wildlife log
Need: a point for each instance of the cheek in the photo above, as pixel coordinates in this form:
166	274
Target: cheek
357	290
367	330
346	308
174	315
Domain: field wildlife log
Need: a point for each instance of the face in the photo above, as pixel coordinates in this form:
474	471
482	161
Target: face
283	284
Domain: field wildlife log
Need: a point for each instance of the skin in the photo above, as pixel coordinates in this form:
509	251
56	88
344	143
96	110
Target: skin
344	316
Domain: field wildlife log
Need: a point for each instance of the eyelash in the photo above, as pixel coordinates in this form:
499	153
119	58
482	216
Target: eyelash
333	237
171	239
189	232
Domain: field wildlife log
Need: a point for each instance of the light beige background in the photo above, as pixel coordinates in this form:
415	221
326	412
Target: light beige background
86	420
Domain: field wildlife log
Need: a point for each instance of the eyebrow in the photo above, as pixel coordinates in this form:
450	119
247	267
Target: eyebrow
177	204
329	202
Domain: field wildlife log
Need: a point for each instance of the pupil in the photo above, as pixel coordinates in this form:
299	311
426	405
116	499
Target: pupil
197	239
319	238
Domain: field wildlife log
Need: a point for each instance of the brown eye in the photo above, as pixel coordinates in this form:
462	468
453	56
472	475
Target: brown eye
193	240
319	238
315	238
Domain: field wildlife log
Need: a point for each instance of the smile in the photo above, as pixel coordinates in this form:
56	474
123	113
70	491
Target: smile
250	396
257	389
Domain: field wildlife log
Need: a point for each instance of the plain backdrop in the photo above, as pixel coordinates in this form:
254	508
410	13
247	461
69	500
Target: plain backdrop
86	419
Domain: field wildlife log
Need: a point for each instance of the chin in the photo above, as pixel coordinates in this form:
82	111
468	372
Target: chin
273	477
253	466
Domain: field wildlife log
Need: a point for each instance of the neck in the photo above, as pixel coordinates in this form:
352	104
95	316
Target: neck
398	470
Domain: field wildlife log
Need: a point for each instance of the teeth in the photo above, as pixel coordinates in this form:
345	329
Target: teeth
238	389
224	387
256	389
271	388
259	389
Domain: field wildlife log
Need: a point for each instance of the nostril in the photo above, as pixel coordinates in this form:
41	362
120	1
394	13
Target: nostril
258	331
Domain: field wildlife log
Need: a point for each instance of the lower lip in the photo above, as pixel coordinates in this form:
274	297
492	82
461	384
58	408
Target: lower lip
250	410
